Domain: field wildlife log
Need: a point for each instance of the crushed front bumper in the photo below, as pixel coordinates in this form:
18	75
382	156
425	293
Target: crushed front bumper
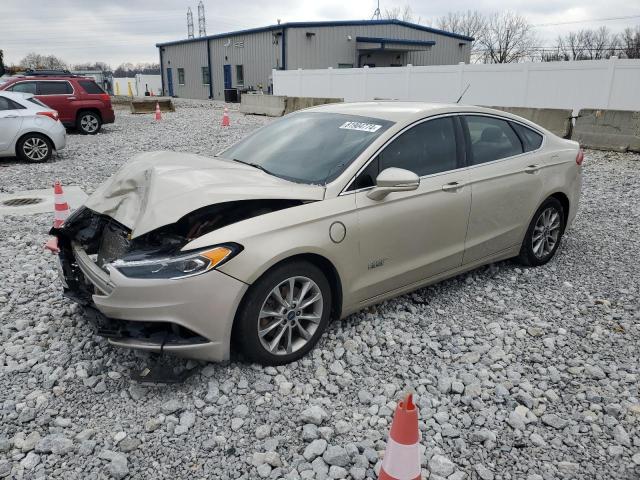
190	317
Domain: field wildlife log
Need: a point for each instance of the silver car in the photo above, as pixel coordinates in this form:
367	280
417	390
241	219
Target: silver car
311	218
28	128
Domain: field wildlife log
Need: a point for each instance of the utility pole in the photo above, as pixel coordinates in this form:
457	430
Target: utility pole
202	24
376	12
189	23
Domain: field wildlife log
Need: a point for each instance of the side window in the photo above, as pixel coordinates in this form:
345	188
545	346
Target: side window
54	88
530	139
181	76
6	104
26	87
491	139
91	87
427	148
366	178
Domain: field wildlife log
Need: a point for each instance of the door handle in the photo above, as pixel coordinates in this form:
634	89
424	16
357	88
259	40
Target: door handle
452	187
11	116
532	169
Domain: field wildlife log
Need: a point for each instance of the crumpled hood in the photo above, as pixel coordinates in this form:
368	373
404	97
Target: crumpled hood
158	188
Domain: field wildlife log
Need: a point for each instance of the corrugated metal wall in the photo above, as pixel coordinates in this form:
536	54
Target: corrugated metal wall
258	53
192	57
330	46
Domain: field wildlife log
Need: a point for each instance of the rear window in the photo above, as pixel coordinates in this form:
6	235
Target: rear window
531	140
54	88
91	87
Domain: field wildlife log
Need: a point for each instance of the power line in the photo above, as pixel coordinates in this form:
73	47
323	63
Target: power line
608	19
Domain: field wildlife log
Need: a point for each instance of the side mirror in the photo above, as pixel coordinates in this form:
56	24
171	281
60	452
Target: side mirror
393	180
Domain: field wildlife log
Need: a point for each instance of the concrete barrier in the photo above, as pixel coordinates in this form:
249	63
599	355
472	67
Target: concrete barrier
608	130
555	120
269	105
276	106
298	103
148	104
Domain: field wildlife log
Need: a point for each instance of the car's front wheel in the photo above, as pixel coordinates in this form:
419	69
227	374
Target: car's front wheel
89	123
543	235
35	148
284	313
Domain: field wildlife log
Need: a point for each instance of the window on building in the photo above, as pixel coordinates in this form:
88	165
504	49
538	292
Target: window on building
240	75
181	76
54	88
345	65
206	78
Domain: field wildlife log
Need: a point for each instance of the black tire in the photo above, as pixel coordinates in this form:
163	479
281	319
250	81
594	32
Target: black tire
88	123
34	148
247	320
531	257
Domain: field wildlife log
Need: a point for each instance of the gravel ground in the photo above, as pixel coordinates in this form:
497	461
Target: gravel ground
519	373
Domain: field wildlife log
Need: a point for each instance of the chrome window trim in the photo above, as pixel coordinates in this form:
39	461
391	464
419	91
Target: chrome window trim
462	169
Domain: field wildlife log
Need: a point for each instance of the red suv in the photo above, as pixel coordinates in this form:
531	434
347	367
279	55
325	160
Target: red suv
80	101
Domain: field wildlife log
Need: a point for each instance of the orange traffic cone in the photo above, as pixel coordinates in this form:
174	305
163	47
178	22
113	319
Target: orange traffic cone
61	207
60	214
225	117
402	456
158	112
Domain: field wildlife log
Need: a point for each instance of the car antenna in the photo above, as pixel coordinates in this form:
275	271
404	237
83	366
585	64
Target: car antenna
462	94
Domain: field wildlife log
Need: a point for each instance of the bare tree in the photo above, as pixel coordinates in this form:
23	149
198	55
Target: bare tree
35	60
507	38
470	23
401	13
588	44
102	66
630	42
2	69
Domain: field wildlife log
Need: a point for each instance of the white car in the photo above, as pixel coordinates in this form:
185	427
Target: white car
28	128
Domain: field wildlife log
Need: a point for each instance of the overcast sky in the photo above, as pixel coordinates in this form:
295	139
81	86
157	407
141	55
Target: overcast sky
116	31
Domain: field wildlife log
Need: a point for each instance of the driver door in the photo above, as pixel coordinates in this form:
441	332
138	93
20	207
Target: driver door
410	236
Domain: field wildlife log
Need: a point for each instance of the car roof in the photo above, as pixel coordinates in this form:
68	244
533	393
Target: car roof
404	112
49	77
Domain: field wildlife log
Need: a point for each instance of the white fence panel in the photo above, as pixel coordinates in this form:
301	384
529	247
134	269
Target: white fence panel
612	84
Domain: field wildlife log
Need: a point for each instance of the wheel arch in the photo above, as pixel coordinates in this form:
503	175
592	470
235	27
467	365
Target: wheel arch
564	201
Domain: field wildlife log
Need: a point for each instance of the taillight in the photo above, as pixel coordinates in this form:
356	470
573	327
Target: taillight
49	113
580	157
104	97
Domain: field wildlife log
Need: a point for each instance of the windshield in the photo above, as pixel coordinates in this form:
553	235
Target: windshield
308	147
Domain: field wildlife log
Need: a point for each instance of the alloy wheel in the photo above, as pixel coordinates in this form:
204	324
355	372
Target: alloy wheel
35	149
89	123
546	233
290	315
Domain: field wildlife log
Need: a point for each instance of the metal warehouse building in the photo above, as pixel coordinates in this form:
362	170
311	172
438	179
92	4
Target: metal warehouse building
207	66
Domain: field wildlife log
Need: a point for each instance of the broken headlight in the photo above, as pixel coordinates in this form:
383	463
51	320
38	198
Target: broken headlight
180	266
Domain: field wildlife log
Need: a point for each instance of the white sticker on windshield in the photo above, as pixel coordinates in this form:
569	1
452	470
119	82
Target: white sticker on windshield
362	127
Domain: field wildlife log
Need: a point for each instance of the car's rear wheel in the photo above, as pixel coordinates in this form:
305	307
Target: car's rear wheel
284	313
544	234
35	148
89	123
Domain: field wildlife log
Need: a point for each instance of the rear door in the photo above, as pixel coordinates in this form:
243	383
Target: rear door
506	185
10	122
410	236
59	95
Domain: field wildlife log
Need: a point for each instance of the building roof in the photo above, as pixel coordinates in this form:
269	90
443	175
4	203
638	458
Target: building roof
338	23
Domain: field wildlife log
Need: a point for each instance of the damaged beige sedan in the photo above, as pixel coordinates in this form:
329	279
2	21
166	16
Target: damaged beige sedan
311	218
